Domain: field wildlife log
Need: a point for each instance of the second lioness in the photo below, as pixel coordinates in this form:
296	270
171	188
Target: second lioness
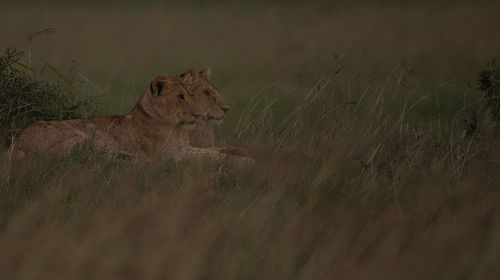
212	106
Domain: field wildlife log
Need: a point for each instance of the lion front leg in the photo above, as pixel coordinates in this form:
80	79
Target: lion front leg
214	154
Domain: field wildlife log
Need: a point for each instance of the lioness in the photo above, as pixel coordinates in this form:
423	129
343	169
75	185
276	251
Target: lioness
212	106
157	126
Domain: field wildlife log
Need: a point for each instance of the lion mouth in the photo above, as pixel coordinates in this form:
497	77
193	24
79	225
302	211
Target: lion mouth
211	118
217	118
188	121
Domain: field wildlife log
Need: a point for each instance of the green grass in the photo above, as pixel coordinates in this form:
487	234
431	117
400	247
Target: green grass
367	167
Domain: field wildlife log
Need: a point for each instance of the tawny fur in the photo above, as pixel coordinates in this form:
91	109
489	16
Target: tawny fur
211	103
158	126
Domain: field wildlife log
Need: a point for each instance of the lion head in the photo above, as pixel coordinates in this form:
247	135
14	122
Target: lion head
167	100
206	95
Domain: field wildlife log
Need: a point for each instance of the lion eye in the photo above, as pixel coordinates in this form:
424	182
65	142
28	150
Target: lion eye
209	93
181	98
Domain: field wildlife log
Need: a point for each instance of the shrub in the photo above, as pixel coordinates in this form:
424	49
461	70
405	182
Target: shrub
489	83
486	106
28	95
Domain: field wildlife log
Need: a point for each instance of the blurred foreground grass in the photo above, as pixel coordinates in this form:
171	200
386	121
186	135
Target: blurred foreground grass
367	166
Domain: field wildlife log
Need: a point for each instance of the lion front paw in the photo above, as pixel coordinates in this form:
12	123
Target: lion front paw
233	151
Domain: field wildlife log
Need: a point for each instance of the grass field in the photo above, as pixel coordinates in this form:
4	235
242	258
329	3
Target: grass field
358	116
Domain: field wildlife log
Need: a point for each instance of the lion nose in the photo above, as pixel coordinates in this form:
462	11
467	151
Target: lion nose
225	108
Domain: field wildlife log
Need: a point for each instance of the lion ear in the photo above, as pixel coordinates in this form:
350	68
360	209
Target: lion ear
189	77
205	74
158	84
